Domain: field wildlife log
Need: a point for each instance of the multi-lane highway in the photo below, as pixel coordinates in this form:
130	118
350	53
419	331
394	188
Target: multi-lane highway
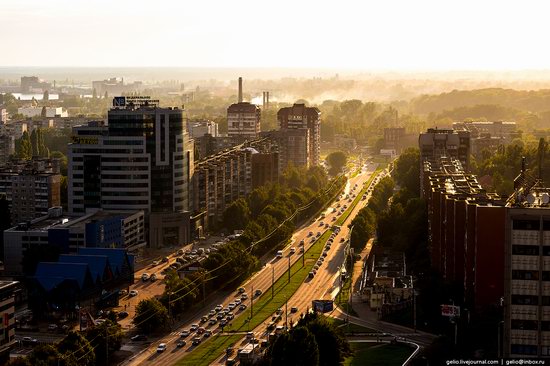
263	279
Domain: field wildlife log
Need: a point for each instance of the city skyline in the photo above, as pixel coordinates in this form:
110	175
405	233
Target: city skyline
419	36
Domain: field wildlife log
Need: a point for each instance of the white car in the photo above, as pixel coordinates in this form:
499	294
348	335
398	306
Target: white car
184	333
133	293
161	347
194	327
292	250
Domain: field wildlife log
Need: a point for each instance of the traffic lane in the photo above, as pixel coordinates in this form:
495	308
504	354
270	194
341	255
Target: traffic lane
263	279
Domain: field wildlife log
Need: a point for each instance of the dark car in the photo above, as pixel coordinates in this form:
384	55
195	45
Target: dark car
123	314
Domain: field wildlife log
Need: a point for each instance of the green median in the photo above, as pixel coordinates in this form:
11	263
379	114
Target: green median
264	307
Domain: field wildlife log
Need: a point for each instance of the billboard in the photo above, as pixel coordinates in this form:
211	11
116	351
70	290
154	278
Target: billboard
322	306
450	310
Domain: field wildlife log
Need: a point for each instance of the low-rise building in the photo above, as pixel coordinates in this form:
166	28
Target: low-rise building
7	312
40	111
99	229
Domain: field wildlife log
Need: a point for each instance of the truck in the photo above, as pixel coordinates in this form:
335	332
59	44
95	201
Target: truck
322	306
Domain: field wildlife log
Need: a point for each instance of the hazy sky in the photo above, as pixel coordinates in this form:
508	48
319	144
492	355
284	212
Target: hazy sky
364	34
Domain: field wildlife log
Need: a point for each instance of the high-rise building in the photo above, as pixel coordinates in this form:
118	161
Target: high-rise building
300	117
243	118
30	187
141	160
294	146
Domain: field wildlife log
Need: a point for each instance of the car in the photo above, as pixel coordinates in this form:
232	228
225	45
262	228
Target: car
184	333
218	307
322	259
52	327
194	327
244	296
180	344
220	316
122	293
165	260
249	335
139	337
241	290
122	314
334	219
196	341
325	254
230	316
271	326
155	263
318	233
292	250
316	266
326	226
258	292
133	293
279	254
180	252
153	277
302	242
342	240
312	240
231	306
29	340
242	307
321	223
180	260
301	249
238	301
223	323
161	347
201	330
213	321
194	252
310	233
212	313
279	311
207	334
144	277
311	274
294	309
204	319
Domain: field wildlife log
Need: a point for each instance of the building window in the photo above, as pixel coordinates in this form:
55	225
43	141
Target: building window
518	274
525	250
524	324
524	300
526	225
523	349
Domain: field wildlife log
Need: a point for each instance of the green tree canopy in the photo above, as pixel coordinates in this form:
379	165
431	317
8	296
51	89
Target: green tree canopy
236	215
108	334
151	315
297	347
337	160
77	346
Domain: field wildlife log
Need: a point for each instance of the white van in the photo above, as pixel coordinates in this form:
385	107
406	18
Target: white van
279	254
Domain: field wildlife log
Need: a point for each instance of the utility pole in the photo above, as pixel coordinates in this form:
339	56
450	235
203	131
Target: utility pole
286	312
106	345
414	304
272	281
251	303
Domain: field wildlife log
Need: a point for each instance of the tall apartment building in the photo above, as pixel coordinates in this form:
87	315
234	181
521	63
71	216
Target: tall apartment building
141	160
31	187
243	118
202	127
393	138
231	174
527	270
294	146
300	117
7	147
444	142
466	231
7	312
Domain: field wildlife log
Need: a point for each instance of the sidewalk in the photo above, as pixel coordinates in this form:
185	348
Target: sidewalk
358	266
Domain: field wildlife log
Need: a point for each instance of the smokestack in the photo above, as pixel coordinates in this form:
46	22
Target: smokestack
266	100
240	89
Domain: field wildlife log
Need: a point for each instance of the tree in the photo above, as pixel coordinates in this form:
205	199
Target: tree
34	143
179	293
150	315
44	112
46	355
18	361
236	215
106	339
62	159
46	96
407	170
23	147
77	346
337	160
297	347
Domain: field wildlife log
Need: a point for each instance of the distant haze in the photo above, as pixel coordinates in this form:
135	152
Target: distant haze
402	35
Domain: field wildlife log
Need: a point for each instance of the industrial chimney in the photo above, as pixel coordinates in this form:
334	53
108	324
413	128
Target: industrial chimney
240	89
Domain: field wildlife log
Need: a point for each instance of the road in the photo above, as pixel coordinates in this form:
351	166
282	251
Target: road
261	280
326	283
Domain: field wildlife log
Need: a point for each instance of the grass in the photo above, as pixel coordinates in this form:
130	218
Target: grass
376	354
263	308
350	328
